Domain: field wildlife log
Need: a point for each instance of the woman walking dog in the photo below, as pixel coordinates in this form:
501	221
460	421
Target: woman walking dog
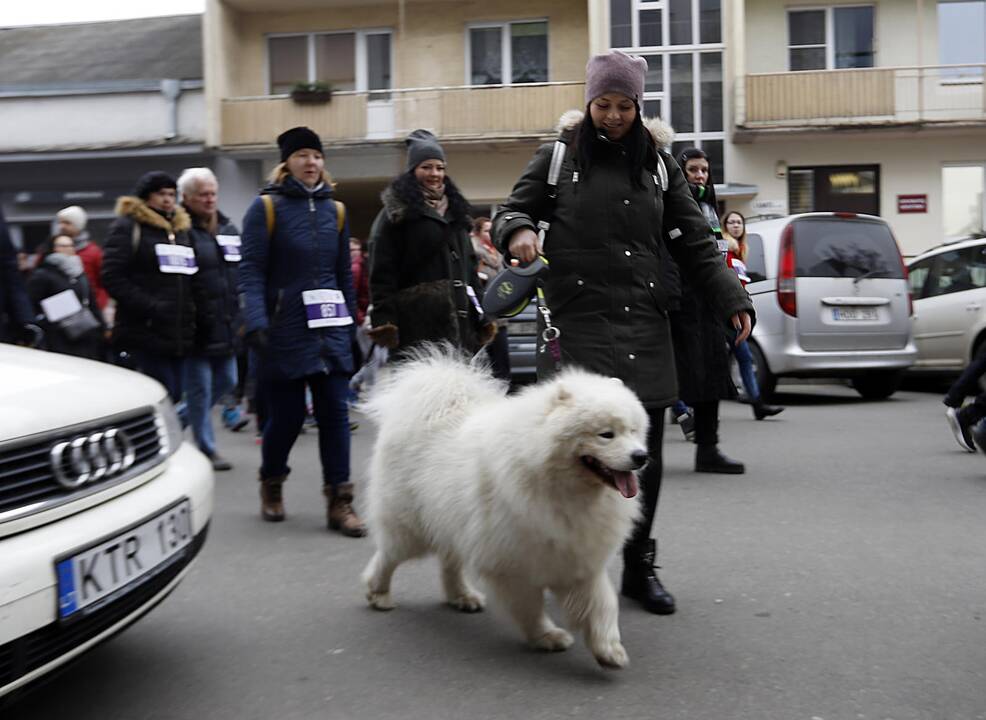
615	199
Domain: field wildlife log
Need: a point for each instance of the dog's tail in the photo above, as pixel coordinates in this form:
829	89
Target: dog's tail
434	384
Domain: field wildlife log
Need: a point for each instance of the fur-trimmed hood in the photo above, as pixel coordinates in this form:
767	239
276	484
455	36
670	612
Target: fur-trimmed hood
662	133
134	207
400	205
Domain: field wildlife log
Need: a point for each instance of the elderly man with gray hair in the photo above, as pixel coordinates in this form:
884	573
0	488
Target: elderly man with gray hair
210	371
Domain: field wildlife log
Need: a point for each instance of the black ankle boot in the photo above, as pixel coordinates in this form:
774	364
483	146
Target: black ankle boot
762	410
709	459
640	581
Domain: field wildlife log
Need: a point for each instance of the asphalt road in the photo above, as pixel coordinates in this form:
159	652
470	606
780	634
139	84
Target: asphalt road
842	578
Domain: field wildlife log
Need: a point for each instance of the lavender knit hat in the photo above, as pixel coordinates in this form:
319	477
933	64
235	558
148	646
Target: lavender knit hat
615	72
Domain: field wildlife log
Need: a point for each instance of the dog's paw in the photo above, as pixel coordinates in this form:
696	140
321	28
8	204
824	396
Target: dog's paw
612	655
555	640
469	602
380	600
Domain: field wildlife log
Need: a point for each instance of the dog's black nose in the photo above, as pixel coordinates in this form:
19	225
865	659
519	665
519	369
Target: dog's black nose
639	458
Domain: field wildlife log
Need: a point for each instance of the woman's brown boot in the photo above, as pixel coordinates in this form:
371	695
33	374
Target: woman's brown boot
341	515
271	498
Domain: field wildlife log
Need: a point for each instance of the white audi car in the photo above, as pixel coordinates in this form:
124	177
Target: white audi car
102	506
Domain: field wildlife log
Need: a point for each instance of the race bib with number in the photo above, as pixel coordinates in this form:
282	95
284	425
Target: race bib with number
231	247
176	259
326	308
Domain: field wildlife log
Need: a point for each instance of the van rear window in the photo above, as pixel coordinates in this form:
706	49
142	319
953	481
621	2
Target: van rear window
845	248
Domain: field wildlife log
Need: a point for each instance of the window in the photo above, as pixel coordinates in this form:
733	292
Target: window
825	247
834	188
682	43
957	271
962	32
917	276
508	53
358	60
827	38
756	267
963	201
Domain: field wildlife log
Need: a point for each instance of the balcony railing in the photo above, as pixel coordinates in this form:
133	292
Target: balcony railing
463	113
863	97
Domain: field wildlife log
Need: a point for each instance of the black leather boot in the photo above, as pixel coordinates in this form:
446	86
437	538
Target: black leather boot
762	410
709	459
640	581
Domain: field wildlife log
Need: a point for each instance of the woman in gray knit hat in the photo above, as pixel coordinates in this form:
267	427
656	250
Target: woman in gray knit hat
423	281
616	207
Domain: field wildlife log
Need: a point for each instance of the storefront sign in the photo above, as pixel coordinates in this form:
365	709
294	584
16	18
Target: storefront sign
912	203
769	207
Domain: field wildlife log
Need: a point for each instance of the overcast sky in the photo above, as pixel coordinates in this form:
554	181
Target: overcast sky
44	12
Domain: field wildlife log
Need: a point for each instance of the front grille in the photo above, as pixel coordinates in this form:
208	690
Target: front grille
27	478
27	653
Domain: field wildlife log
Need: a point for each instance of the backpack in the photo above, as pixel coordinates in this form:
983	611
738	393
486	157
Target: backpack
271	215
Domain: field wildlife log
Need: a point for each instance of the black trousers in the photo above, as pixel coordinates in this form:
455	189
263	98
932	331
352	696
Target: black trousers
706	415
650	478
966	385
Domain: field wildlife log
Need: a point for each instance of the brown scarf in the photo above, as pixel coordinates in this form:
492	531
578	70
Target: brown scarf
436	199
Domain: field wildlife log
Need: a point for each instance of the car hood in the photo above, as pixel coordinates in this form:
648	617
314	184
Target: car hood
42	391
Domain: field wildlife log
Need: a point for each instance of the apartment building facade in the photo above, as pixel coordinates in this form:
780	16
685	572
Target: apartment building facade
489	78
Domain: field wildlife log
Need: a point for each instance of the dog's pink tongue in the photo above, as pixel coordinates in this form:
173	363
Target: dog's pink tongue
626	483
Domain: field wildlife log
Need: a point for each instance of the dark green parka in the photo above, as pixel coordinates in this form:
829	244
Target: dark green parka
606	288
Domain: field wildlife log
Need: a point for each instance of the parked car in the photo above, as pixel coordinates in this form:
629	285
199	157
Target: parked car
949	288
102	506
832	301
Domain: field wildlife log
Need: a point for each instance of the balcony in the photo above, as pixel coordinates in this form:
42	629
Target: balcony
942	95
493	112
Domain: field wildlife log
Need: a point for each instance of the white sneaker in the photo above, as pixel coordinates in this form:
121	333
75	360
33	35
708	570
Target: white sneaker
962	434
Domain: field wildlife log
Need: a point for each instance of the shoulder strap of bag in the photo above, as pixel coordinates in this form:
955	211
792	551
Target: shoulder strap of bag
340	215
268	202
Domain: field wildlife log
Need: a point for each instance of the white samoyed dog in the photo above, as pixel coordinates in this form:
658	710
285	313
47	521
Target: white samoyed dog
528	493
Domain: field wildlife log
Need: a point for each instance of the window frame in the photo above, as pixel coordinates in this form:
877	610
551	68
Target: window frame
665	50
829	33
506	61
361	64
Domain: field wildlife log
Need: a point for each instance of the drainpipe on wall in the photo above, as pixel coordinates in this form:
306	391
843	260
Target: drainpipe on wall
171	89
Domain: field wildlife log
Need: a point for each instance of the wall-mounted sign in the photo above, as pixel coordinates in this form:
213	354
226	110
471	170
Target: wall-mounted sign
912	203
769	207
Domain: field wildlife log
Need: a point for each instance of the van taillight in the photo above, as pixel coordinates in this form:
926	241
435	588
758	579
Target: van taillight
786	296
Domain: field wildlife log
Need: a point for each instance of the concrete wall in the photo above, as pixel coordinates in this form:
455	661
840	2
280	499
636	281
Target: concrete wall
896	33
429	52
31	123
907	167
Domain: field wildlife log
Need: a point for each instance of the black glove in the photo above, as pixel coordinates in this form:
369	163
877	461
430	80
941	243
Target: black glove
258	341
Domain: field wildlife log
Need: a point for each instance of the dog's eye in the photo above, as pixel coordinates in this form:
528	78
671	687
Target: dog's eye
609	435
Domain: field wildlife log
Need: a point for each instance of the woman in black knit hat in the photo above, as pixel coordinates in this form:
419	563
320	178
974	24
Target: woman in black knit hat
150	269
423	281
296	283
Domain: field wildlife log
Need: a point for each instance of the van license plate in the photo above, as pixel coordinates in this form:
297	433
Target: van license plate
854	313
112	568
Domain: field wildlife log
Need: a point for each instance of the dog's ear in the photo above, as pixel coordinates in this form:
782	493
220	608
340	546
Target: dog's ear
562	394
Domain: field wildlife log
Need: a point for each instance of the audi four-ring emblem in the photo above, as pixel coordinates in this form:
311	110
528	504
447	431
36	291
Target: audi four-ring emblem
88	458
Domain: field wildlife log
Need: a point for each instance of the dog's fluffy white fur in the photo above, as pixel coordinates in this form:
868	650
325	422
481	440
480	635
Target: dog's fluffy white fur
528	492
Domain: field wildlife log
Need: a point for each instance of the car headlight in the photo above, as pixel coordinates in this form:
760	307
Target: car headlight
169	427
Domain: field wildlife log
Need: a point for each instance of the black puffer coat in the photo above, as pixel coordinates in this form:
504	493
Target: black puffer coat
156	312
219	276
701	349
420	266
607	289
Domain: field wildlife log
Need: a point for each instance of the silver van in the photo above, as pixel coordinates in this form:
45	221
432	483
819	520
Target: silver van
832	301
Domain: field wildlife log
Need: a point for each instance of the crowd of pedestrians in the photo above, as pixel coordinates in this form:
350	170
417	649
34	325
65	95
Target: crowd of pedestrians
295	316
